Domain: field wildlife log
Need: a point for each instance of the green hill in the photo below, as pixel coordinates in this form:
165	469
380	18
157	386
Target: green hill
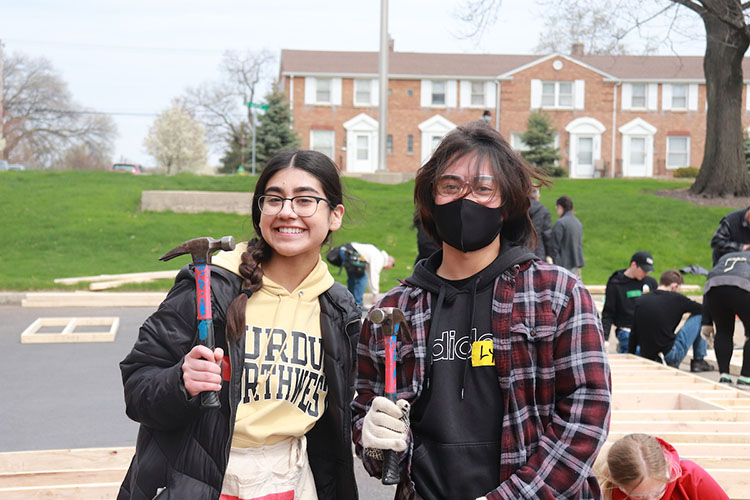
63	224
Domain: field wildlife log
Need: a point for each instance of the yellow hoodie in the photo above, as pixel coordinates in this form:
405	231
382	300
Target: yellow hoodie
283	385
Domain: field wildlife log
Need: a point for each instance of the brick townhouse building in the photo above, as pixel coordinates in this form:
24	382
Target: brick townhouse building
614	116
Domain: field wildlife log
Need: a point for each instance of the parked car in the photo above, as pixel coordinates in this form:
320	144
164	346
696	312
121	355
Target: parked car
16	166
3	165
126	167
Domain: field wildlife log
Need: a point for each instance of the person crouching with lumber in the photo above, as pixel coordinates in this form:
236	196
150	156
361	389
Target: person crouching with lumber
284	363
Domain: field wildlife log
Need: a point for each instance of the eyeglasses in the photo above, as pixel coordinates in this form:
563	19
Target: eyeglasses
304	206
454	186
655	495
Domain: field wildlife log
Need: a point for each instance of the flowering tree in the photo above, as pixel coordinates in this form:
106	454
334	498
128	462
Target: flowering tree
177	141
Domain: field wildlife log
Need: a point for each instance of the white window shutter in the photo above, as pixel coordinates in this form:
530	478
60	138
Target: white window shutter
627	96
489	95
310	90
451	90
336	91
425	94
536	94
666	96
652	95
693	97
375	92
465	97
580	93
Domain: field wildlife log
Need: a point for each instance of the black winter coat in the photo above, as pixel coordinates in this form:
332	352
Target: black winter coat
186	450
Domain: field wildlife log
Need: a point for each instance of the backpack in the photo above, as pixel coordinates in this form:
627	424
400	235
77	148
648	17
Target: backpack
346	257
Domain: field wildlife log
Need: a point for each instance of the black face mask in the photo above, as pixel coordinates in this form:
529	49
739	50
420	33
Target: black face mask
466	225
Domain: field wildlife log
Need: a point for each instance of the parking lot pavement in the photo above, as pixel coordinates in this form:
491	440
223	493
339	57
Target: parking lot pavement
59	396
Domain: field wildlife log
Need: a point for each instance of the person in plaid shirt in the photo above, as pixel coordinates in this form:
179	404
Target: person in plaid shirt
504	391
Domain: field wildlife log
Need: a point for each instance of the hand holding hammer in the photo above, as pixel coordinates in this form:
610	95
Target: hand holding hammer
200	375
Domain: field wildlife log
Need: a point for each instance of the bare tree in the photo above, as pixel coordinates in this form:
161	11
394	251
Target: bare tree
40	120
176	141
221	107
727	34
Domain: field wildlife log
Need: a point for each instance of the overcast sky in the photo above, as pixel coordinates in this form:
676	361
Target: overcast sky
131	58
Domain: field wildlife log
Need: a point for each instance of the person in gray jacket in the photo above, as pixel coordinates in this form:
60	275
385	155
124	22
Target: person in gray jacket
566	241
726	294
542	222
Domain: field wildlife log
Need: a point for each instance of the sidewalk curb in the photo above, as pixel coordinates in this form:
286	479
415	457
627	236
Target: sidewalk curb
12	298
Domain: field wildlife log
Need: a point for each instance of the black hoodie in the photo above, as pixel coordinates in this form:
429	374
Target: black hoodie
619	301
457	421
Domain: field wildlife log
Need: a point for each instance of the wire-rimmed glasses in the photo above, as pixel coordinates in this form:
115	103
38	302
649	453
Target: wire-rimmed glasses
455	185
303	206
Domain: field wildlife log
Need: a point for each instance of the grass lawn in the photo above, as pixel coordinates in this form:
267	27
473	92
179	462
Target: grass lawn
63	224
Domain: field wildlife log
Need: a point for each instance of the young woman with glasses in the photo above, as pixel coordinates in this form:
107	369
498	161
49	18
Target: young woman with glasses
284	361
506	379
643	467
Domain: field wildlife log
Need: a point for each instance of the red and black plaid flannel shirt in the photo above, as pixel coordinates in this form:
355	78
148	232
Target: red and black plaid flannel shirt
552	369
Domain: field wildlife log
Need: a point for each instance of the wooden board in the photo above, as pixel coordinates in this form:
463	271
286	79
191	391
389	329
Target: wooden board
32	335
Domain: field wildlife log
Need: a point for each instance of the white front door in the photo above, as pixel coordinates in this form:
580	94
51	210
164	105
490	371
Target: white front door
584	156
637	165
363	153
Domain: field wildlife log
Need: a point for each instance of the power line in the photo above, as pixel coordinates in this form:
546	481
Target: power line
93	112
93	46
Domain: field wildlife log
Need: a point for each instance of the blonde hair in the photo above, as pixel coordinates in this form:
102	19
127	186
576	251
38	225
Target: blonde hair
631	459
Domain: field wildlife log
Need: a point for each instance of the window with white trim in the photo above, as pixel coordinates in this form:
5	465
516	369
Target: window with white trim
362	92
557	95
322	141
323	91
477	93
679	96
516	142
678	151
363	147
638	96
438	93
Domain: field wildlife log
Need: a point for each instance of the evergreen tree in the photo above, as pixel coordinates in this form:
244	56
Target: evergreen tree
274	129
233	156
540	138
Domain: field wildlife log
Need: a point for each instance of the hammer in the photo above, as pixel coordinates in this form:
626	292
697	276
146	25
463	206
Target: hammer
391	321
201	250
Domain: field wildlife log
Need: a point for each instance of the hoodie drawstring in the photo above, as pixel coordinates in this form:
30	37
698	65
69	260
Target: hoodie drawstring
468	330
433	326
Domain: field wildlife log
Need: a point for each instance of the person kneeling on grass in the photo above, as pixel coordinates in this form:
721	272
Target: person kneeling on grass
643	467
655	320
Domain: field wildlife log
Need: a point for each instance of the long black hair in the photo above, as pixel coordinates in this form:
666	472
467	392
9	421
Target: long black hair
258	250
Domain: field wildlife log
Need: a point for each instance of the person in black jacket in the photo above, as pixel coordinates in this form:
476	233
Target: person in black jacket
542	221
732	235
623	288
284	361
656	317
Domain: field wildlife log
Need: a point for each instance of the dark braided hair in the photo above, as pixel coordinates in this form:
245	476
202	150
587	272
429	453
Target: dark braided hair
258	250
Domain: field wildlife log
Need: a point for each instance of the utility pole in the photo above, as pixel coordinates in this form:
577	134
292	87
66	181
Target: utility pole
2	109
383	86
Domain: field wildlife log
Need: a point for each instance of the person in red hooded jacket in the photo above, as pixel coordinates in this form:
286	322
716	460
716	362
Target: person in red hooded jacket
643	467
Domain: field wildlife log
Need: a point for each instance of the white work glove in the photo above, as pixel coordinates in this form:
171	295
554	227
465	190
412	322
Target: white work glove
549	261
708	333
385	427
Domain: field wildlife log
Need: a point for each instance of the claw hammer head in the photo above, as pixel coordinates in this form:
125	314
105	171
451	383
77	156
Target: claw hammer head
201	249
392	321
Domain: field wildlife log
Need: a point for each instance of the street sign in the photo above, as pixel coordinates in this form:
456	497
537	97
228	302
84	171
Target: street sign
264	107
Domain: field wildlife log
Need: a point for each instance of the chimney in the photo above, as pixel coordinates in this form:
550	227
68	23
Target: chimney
391	44
576	50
